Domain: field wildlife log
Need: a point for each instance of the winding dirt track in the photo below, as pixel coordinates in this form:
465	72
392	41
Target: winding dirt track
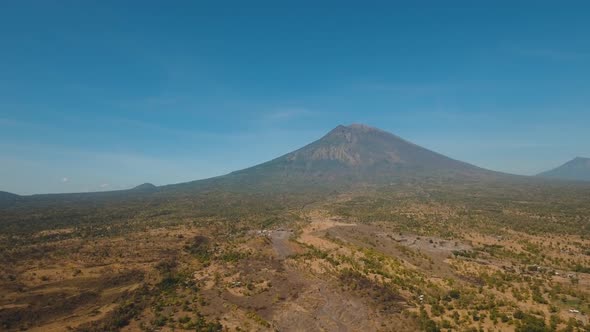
320	305
280	243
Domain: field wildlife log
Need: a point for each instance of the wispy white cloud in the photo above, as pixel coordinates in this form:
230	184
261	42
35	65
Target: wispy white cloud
408	88
197	135
6	122
65	179
288	113
104	185
412	89
20	124
147	103
551	54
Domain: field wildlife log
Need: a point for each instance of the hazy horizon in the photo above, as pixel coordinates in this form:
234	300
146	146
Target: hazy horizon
108	96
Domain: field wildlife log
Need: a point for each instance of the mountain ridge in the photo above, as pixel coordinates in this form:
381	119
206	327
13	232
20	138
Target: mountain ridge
145	187
345	157
359	154
577	169
7	198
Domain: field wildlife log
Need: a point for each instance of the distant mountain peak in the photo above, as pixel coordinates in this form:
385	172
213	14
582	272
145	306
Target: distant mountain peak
7	198
363	127
358	128
577	169
356	153
578	161
355	145
145	186
7	194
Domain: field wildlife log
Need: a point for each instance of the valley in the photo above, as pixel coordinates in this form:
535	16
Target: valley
315	269
447	247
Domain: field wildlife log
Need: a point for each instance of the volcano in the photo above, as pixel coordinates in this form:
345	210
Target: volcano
350	155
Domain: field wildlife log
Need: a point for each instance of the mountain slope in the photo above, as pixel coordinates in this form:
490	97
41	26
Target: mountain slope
7	198
576	169
145	187
350	155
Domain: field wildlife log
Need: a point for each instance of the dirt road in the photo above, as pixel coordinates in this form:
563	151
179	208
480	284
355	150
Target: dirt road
280	243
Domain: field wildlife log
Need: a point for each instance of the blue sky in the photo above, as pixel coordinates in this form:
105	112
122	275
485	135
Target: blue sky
102	95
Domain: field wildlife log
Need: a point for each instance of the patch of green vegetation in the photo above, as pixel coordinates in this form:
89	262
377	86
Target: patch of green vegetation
122	315
465	253
383	295
530	323
255	317
199	247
